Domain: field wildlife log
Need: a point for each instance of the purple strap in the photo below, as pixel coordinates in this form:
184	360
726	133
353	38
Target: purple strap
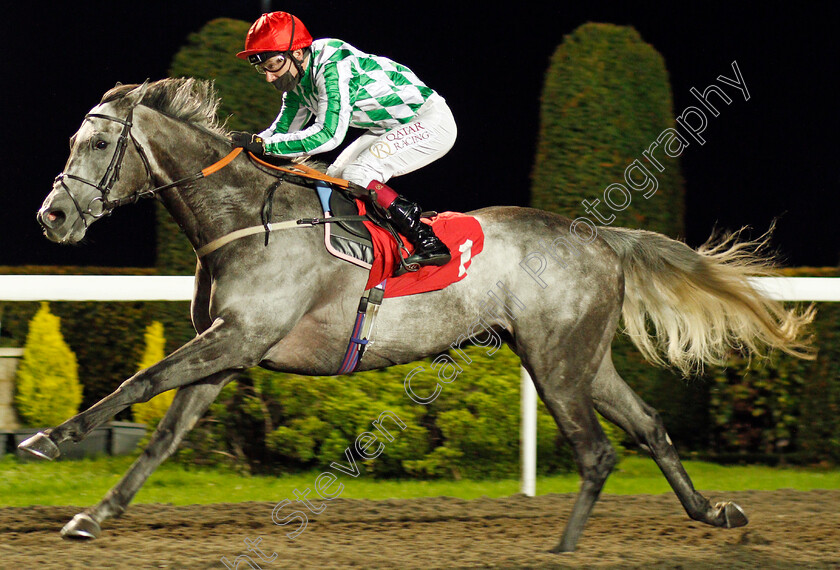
356	347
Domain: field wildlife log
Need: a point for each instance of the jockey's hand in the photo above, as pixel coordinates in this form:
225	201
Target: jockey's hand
248	141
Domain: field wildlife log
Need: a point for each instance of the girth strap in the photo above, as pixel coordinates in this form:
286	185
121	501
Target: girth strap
238	234
301	223
362	335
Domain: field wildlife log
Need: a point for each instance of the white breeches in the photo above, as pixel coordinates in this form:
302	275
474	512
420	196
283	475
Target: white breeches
399	151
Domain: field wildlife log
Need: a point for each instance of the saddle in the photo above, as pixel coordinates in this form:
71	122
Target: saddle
346	238
359	237
356	231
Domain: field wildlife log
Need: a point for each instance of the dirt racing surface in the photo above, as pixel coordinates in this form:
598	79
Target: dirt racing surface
788	529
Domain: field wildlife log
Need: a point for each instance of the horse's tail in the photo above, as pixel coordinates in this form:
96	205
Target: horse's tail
693	307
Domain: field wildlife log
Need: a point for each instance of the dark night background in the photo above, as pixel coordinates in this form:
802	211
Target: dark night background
774	156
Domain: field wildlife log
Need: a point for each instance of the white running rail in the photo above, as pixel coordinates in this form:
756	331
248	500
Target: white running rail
166	288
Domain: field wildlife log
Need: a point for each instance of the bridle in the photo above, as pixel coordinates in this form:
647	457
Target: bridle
112	173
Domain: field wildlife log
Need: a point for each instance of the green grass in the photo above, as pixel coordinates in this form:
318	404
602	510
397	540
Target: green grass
85	482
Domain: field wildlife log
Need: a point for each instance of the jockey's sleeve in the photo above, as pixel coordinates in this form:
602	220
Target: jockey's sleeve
292	116
332	117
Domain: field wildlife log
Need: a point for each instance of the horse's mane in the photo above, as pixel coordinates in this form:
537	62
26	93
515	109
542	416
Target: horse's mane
191	100
194	101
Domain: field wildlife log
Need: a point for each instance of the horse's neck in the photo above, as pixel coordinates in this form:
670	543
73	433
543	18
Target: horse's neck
227	200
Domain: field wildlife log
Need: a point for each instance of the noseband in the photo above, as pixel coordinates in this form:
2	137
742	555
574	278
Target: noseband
112	174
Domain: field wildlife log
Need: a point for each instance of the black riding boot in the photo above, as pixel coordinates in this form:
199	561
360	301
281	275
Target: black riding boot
428	249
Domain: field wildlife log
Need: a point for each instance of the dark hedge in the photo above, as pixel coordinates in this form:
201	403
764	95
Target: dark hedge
605	100
246	103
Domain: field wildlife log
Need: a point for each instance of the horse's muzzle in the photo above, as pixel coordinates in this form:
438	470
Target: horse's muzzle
57	219
51	219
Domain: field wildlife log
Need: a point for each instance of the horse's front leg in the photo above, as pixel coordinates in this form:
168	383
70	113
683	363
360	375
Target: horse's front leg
189	404
220	348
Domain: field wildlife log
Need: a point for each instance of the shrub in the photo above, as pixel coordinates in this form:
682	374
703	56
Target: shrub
783	409
47	389
755	405
269	420
106	337
475	421
151	412
605	100
818	433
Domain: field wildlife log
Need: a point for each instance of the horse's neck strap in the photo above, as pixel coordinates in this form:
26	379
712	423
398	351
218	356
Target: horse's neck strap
303	171
216	166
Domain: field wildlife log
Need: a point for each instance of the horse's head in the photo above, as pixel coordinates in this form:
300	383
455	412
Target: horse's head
106	167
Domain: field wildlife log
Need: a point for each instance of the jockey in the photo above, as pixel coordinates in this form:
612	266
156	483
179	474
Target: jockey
408	124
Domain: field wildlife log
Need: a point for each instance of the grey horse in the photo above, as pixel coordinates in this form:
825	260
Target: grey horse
554	295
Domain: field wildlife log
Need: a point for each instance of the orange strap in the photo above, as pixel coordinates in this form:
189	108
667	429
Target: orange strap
297	169
303	170
222	163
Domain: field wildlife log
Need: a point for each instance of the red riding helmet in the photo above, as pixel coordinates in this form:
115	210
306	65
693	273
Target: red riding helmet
273	32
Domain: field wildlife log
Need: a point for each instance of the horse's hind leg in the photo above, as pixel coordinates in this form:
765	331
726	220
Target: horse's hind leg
574	413
188	405
617	402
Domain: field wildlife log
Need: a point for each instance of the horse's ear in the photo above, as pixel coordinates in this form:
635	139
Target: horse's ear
136	95
118	84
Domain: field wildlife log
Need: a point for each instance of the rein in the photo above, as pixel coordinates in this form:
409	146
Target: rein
112	175
304	171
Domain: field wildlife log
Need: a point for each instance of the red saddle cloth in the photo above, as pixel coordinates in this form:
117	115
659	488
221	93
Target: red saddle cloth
461	233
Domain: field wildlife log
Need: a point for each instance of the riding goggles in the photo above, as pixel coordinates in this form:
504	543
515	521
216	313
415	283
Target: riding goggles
271	62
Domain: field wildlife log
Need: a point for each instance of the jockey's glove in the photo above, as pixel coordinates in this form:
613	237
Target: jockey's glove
248	141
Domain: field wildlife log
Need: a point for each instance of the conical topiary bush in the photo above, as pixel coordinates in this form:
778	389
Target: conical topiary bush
151	412
47	388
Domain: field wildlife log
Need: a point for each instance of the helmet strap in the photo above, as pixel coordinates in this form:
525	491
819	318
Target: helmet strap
292	36
299	64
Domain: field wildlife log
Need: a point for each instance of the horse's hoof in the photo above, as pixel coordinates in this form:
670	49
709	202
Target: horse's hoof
40	445
731	515
561	549
82	527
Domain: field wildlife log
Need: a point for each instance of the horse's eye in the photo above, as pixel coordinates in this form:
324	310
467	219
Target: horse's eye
100	145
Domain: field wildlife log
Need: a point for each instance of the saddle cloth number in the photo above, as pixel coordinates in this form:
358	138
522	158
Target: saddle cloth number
466	254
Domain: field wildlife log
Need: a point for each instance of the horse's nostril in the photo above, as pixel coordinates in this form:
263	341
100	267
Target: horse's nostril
51	218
